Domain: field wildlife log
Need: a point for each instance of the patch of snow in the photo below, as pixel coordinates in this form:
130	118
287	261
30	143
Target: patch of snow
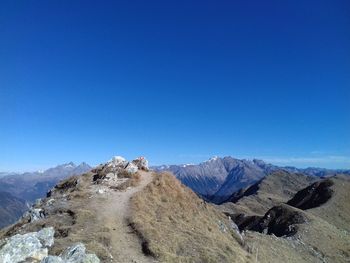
213	158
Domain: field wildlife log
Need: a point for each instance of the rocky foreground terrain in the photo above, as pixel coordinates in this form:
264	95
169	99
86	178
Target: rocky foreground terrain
122	212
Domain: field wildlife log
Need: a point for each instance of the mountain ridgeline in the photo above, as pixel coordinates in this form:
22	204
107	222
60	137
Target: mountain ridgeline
16	190
120	211
218	178
32	185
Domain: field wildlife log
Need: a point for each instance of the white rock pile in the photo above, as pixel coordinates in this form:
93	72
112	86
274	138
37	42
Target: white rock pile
33	247
140	163
109	171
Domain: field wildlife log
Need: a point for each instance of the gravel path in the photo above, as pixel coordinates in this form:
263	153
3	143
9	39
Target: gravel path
113	212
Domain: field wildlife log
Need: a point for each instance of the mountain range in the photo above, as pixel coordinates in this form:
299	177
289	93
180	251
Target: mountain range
117	214
17	189
218	178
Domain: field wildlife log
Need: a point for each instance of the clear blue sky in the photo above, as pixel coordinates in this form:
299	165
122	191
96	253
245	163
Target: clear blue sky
175	81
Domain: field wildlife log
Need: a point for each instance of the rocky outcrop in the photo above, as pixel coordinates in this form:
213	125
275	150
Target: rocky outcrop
33	247
117	168
141	163
66	185
77	254
34	214
313	196
131	168
282	220
244	222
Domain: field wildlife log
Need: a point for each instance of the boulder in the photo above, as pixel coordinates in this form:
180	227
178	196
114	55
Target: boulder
117	161
141	163
46	236
31	246
131	168
76	254
34	214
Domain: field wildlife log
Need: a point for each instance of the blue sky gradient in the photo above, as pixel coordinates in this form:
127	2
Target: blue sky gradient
175	81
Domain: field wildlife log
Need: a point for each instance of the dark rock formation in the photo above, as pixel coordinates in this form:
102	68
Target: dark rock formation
280	221
313	196
244	222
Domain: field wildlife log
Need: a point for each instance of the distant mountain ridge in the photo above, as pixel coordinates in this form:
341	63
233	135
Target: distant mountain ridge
11	208
17	189
218	178
32	185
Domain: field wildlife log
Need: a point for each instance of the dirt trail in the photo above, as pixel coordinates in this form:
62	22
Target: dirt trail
113	212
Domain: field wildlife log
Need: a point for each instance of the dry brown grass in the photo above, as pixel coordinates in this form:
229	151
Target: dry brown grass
126	174
176	226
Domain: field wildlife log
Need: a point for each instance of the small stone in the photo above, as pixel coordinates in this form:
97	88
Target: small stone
50	201
75	253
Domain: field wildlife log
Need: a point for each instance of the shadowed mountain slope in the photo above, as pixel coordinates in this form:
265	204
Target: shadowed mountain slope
11	208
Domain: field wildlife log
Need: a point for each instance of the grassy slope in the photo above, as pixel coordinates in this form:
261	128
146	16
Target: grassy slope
324	238
177	226
274	189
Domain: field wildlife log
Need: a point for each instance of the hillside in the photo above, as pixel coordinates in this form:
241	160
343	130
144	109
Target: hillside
176	226
274	189
314	227
11	208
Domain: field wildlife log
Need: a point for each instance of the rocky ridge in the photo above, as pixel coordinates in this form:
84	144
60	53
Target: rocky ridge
71	208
